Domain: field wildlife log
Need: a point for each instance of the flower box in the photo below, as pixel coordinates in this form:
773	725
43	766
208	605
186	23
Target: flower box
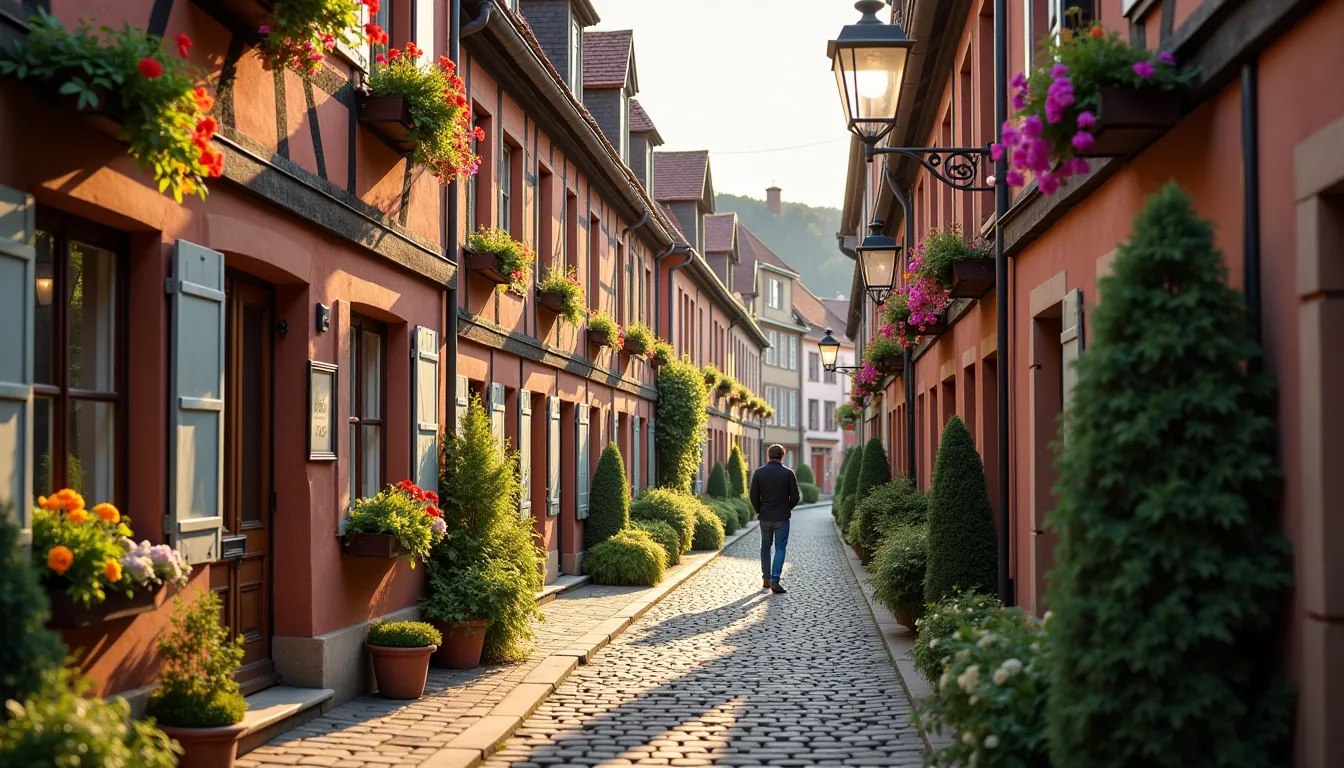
484	264
106	118
937	328
599	338
390	118
1129	118
382	545
634	347
725	387
68	614
552	300
971	278
892	364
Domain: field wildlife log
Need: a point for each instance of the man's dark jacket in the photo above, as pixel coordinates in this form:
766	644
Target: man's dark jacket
774	492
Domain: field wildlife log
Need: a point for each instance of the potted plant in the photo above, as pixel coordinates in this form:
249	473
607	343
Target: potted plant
639	339
493	254
959	265
604	332
562	293
422	108
401	651
726	385
198	702
403	519
458	603
885	353
661	354
848	414
741	394
300	33
1094	95
712	376
115	73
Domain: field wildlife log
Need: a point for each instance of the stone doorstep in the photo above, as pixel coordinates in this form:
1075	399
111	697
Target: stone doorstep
561	584
278	709
485	736
899	641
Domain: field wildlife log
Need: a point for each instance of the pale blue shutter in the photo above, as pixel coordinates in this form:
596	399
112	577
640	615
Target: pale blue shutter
196	437
425	397
18	228
1071	342
653	457
497	414
635	467
582	465
553	456
461	400
525	450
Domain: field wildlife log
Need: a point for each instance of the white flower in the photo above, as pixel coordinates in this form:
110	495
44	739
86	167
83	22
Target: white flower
973	700
1048	616
991	741
933	643
969	679
1034	648
1000	676
963	655
968	739
1013	666
942	681
987	640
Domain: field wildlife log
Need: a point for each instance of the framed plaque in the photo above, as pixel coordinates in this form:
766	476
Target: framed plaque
322	391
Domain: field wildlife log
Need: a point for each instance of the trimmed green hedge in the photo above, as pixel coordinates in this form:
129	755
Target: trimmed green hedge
737	473
963	547
682	400
805	475
897	502
726	512
609	502
742	507
631	558
897	569
708	528
1171	564
403	634
875	470
666	537
809	492
718	482
850	485
675	508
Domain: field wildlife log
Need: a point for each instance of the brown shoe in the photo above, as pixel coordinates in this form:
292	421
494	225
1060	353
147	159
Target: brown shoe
776	588
765	583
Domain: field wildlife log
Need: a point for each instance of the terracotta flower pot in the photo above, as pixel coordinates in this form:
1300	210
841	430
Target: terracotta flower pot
907	619
462	644
207	747
401	672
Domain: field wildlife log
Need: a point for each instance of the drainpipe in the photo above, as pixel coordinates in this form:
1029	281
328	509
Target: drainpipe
1001	297
908	212
482	19
658	296
1250	168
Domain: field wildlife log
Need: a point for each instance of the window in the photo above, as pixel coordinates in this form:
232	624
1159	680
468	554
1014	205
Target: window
775	296
828	410
770	399
571	230
78	358
505	186
382	18
813	415
813	366
793	353
368	342
793	408
772	351
576	59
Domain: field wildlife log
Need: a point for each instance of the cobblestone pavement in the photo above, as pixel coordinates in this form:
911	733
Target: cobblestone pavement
724	673
369	731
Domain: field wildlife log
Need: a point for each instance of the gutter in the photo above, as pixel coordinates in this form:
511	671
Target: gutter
1250	169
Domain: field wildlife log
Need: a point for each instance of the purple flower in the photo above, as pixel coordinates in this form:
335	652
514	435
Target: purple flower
1038	156
1020	81
1015	179
1167	58
1144	69
1059	70
996	150
1010	134
1019	102
1031	127
1082	141
1080	166
1048	184
1086	119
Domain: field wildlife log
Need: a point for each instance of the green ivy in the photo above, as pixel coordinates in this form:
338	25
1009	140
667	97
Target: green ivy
1171	562
963	547
609	503
680	424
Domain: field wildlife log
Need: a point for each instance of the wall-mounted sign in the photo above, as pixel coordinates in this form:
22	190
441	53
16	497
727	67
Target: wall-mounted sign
321	411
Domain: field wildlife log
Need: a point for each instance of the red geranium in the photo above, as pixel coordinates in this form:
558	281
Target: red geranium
183	45
433	511
150	68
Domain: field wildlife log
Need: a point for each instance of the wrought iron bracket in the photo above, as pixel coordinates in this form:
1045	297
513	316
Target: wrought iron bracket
957	167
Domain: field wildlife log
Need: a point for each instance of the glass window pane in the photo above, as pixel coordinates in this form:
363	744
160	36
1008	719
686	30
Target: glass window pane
44	483
354	474
352	370
44	330
91	291
372	435
92	467
371	371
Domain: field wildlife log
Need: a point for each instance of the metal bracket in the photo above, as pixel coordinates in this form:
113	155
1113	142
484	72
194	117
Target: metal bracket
957	167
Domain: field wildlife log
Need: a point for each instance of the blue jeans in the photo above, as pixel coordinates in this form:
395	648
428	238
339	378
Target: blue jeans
779	534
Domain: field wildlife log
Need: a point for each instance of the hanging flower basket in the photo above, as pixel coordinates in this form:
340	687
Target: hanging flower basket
485	265
938	327
493	254
892	364
639	339
389	117
1130	118
422	108
971	278
603	331
661	354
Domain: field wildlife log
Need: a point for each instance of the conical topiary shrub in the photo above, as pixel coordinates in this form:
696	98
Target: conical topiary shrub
963	549
875	470
805	475
737	472
1170	565
609	502
718	482
851	485
838	498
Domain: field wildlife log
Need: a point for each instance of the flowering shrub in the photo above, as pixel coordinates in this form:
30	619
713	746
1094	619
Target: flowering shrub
992	693
881	347
896	320
514	259
662	352
848	413
436	96
405	511
601	321
867	378
1056	107
942	620
712	375
127	72
639	338
306	30
944	246
566	283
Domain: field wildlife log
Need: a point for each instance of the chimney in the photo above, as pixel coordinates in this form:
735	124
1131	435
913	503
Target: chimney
772	200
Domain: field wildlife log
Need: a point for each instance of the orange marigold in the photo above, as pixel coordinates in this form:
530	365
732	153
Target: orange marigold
59	559
107	512
112	570
77	516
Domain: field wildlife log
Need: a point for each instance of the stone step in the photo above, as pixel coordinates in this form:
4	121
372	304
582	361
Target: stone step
279	709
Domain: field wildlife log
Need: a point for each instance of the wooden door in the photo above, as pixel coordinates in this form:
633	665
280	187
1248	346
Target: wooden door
243	581
819	469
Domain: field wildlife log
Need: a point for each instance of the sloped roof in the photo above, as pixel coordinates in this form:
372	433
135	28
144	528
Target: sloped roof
675	229
720	232
606	58
680	176
751	250
640	122
818	313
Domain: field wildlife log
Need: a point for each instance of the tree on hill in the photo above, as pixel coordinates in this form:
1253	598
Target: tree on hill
802	235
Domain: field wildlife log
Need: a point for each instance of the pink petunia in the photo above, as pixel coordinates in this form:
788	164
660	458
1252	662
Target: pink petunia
1144	69
1082	141
1086	119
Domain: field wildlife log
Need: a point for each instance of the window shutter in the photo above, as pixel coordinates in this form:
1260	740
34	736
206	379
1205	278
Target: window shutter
653	458
196	441
425	419
497	414
1071	340
552	456
18	228
635	467
582	465
462	398
525	450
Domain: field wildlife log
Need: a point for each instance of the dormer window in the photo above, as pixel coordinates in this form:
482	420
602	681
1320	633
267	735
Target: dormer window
576	59
625	126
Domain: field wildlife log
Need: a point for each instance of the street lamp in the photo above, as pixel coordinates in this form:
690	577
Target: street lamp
868	59
829	349
877	258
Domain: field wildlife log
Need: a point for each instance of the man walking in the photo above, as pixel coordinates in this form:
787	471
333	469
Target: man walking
774	494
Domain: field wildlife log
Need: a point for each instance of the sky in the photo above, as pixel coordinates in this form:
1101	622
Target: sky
740	76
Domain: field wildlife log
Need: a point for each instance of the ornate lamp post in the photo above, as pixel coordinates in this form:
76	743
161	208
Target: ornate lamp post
830	349
877	258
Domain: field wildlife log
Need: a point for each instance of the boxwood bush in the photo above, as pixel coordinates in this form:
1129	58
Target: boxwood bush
609	505
805	475
851	485
708	529
737	473
809	492
675	508
963	547
403	634
666	537
897	502
726	512
897	569
874	471
631	558
745	512
717	486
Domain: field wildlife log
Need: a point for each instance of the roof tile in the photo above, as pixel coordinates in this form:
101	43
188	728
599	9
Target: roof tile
606	58
680	176
720	232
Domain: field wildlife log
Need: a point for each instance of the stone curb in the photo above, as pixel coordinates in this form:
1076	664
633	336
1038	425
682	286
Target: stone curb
896	638
470	748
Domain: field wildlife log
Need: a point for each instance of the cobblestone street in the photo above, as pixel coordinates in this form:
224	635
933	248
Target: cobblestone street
724	673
